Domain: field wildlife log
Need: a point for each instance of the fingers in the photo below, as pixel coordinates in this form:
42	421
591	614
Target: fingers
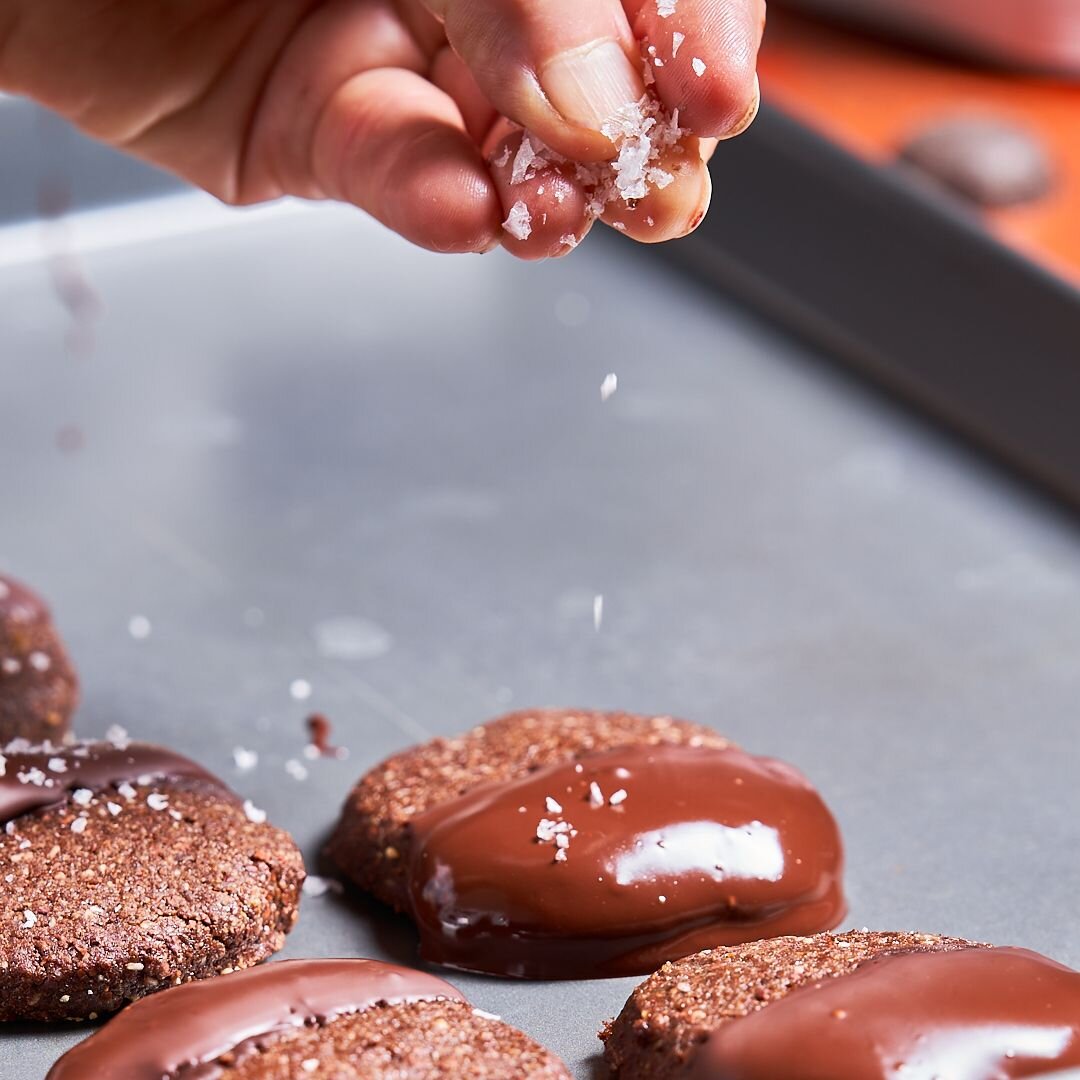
676	209
449	73
704	58
395	145
559	68
544	206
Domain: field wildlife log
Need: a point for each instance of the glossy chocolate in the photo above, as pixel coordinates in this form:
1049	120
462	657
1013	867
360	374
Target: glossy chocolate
625	859
187	1030
976	1014
35	777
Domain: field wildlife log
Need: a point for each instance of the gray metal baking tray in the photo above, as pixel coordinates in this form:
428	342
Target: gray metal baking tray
311	452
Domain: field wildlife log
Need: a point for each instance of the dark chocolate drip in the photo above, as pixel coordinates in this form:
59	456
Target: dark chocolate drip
625	859
36	777
976	1014
182	1032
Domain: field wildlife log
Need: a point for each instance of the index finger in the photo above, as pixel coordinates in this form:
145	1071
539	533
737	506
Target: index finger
704	58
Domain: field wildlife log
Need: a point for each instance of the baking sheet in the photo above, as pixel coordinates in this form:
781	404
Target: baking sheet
292	418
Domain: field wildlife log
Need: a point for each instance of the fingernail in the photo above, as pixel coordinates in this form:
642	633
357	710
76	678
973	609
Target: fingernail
589	85
749	116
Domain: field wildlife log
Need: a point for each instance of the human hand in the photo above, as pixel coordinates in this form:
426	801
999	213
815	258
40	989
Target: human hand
401	107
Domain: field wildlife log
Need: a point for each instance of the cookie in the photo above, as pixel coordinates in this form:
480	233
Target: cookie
808	1007
38	685
127	868
338	1019
987	160
558	844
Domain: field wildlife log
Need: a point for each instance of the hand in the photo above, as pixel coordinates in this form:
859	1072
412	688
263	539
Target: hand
397	106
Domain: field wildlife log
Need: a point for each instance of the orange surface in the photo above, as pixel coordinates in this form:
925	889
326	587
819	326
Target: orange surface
870	96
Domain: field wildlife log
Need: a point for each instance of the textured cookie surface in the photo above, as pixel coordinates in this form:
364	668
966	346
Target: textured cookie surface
38	686
159	884
672	1012
422	1040
371	842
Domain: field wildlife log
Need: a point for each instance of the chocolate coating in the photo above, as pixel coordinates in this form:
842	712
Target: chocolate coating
32	778
612	864
977	1014
39	689
190	1029
987	160
117	889
671	1013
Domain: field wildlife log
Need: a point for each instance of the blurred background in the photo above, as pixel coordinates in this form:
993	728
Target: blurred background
275	461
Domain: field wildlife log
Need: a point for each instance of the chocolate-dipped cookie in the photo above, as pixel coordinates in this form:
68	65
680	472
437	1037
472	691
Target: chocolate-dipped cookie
857	1006
127	868
338	1019
38	686
557	844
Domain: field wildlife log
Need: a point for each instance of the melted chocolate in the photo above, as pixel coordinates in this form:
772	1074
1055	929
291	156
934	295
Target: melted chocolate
977	1014
624	860
34	777
188	1029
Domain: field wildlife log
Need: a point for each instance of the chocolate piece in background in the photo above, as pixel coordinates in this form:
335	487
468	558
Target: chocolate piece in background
987	160
39	689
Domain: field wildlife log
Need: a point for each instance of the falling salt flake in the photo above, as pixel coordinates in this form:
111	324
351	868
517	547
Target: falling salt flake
519	221
29	919
139	627
609	385
618	797
118	737
296	769
320	886
300	689
676	43
552	806
253	813
596	796
665	8
245	760
597	611
698	65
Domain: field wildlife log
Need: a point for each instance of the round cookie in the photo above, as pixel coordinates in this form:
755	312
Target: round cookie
39	689
671	1013
127	868
557	844
340	1019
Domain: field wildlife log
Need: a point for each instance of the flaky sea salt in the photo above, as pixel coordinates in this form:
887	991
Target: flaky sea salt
245	760
552	806
698	65
82	797
300	689
118	737
519	221
609	385
596	796
79	825
676	43
665	8
139	627
253	813
617	797
320	886
296	769
156	801
29	919
523	161
597	610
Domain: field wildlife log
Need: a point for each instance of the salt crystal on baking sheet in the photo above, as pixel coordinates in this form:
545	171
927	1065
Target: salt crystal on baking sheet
698	65
665	8
676	43
519	221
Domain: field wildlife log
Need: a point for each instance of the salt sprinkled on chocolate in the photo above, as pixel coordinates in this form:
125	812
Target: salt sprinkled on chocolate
618	797
252	813
596	796
519	221
553	807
